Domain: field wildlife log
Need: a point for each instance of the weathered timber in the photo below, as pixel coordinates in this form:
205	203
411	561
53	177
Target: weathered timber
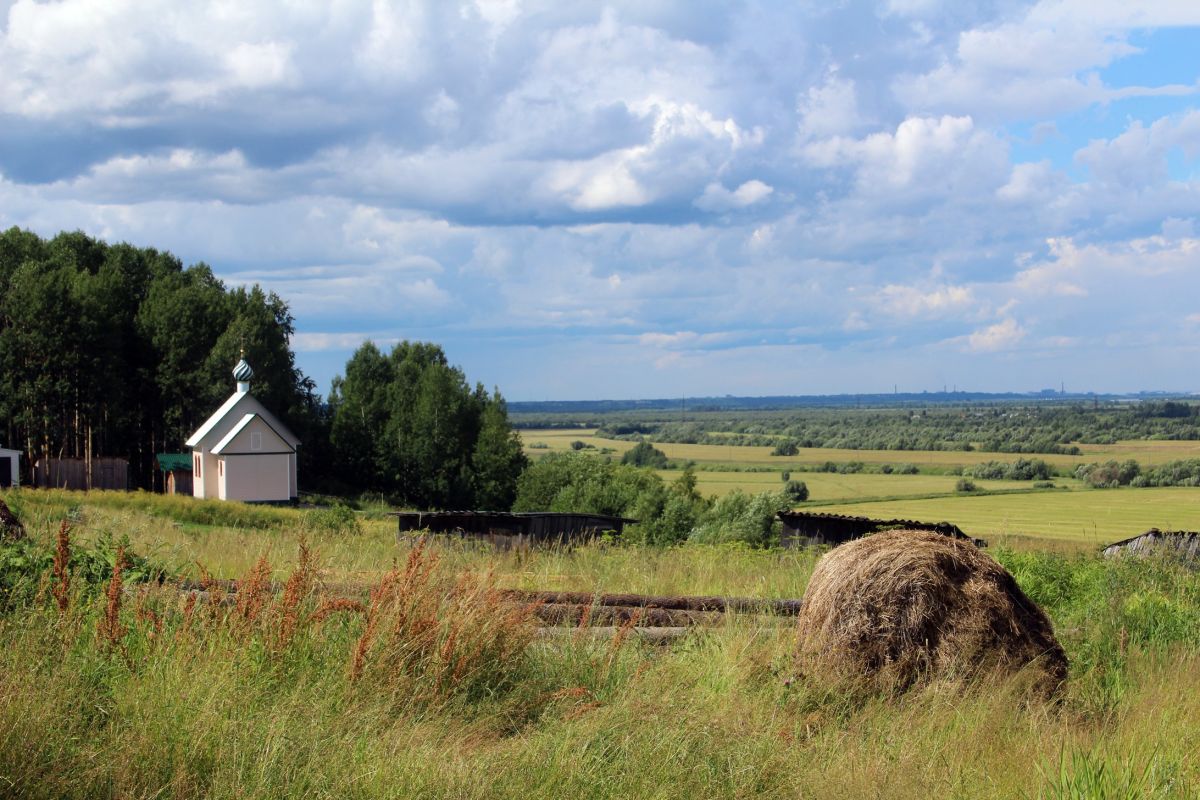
568	614
649	635
745	605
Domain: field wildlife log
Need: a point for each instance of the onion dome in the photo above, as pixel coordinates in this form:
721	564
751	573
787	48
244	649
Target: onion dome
242	372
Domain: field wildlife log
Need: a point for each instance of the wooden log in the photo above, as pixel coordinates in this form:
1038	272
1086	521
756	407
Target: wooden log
569	614
656	635
700	604
678	603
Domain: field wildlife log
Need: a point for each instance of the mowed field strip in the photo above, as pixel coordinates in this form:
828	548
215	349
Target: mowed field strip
1091	517
1145	452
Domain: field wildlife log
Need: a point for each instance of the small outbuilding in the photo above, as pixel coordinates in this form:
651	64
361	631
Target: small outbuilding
243	452
513	529
801	528
177	472
1179	544
10	468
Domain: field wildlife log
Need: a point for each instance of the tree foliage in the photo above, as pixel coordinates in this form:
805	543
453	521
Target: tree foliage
122	351
409	425
644	454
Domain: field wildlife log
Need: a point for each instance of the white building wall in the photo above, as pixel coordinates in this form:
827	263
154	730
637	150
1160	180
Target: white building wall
265	477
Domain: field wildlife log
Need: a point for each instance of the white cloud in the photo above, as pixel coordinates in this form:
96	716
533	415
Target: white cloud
1138	156
830	109
1001	336
937	301
717	198
924	155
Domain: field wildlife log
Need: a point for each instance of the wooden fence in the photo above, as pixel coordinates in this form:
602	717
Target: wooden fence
72	473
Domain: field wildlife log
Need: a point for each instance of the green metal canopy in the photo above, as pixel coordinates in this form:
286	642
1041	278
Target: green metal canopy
169	462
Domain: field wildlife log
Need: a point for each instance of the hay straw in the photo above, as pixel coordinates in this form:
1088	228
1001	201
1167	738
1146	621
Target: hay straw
901	607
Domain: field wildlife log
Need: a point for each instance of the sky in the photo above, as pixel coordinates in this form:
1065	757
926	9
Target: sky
654	198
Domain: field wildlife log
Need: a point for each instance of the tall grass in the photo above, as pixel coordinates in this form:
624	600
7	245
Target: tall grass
432	687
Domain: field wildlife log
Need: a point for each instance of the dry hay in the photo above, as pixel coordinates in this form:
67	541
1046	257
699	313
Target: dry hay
899	607
11	529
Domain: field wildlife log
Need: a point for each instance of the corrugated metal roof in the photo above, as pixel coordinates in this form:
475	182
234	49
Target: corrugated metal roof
509	515
169	462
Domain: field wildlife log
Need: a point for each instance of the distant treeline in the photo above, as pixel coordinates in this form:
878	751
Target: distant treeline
568	413
1001	428
115	350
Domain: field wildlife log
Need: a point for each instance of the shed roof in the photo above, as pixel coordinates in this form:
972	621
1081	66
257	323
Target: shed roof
510	515
1155	534
169	462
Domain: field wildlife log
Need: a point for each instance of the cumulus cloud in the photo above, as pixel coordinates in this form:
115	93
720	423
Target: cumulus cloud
1001	336
717	198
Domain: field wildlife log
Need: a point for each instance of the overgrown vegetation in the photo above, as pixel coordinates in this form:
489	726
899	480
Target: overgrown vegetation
430	686
1111	474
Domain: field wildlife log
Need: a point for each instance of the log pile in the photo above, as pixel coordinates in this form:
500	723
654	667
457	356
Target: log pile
660	618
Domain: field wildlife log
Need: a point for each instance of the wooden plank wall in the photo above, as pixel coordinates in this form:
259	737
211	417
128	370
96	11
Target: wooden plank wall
71	473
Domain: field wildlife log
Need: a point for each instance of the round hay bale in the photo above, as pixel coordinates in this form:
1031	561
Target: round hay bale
900	607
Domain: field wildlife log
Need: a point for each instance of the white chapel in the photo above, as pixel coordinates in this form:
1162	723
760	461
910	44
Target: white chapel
243	452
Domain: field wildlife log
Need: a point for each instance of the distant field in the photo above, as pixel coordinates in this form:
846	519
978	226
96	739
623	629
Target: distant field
1146	452
1091	517
832	486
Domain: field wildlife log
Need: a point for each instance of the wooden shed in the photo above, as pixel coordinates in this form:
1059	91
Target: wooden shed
77	474
801	528
512	529
177	472
10	468
1180	544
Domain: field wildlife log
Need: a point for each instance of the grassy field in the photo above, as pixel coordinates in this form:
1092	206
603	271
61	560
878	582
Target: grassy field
447	694
1146	452
1089	517
824	486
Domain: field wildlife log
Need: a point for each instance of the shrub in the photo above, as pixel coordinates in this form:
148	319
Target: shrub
741	517
337	518
788	448
1108	475
796	490
965	485
644	454
1023	469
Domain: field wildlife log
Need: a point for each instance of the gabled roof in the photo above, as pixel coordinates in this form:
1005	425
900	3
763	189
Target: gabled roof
216	418
246	420
228	407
